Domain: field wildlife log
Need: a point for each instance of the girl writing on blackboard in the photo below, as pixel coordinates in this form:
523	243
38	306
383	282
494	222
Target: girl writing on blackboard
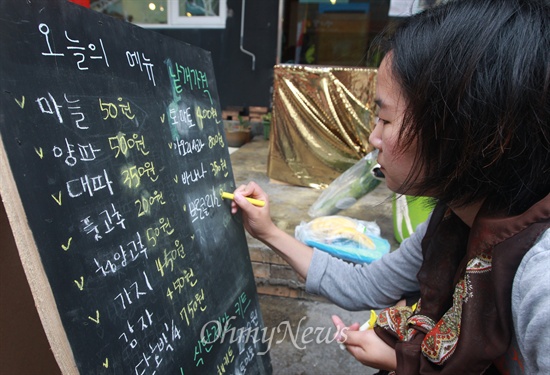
464	117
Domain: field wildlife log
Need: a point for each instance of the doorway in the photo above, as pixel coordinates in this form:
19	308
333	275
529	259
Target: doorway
333	32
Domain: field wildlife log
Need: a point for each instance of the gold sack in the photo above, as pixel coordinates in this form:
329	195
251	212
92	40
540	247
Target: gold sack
322	119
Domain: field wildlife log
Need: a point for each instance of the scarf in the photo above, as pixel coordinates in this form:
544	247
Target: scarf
463	320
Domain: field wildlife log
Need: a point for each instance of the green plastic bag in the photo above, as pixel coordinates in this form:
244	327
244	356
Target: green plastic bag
408	212
348	188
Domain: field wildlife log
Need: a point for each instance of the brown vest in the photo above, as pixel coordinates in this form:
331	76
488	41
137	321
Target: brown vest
463	321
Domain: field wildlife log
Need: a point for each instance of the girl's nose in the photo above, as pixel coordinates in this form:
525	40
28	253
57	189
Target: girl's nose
375	138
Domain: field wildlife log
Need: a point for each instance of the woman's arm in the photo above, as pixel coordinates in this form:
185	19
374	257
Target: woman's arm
351	286
531	307
368	286
258	222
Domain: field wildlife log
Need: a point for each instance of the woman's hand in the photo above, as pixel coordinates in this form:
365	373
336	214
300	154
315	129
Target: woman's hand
365	346
257	220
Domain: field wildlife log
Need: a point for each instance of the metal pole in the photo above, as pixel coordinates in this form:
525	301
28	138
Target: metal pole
242	38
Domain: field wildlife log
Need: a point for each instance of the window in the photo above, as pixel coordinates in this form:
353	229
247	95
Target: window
166	13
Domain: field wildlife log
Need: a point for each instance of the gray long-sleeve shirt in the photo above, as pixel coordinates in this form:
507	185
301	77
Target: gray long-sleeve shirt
385	281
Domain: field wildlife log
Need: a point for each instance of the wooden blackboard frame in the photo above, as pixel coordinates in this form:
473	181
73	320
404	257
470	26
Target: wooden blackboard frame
164	177
34	270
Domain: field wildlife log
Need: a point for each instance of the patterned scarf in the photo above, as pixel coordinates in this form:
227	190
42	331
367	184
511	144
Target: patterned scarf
463	320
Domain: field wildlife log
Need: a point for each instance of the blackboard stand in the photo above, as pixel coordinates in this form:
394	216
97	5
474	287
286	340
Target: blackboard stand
113	157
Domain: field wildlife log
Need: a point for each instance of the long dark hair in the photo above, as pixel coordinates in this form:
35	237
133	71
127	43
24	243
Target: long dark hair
476	74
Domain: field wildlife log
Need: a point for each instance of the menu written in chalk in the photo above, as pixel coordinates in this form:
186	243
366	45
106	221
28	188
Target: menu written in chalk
116	149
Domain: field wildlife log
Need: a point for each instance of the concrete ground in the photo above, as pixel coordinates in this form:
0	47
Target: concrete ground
312	351
308	348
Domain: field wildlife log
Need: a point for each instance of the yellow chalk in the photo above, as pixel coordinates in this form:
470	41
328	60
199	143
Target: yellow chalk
255	202
370	323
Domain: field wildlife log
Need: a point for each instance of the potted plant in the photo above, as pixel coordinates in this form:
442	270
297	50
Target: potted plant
266	120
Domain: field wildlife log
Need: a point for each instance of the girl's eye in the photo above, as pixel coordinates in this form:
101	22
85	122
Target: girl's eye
378	119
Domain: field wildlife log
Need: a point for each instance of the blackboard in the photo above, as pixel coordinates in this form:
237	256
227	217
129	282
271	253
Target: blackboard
113	157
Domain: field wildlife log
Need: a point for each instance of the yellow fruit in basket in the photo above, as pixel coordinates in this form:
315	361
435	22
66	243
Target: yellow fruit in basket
353	235
339	227
330	222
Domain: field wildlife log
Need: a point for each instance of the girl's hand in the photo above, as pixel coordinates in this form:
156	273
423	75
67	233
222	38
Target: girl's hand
257	220
365	346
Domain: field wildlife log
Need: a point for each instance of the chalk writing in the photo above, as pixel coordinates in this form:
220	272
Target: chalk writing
198	351
109	220
164	342
154	232
165	336
192	176
254	318
188	278
215	330
39	152
132	174
210	113
181	118
242	304
80	283
46	107
195	305
91	48
245	357
186	76
200	208
57	198
140	324
95	318
73	107
169	256
79	51
68	245
121	258
111	109
127	227
214	140
134	59
228	358
21	102
186	147
246	340
86	152
122	145
49	105
144	204
134	292
89	184
216	167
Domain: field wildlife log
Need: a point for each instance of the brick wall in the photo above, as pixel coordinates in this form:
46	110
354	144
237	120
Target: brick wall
274	276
